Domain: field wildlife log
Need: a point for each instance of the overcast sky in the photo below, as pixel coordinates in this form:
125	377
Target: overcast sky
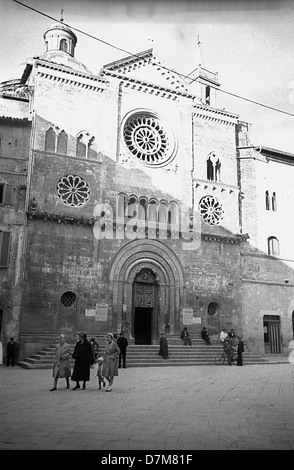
250	44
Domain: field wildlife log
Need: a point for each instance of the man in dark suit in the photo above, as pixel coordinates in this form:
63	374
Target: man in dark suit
122	343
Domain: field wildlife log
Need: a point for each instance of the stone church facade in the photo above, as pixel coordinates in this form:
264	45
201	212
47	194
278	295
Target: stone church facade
130	202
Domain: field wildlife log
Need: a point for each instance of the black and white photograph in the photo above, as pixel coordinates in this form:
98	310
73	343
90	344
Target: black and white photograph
146	229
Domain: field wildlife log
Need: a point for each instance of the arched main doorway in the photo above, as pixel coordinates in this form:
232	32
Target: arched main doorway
145	311
147	283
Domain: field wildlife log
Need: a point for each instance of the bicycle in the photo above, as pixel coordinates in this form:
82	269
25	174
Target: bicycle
222	358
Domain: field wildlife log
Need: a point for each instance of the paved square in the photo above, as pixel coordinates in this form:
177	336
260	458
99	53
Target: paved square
159	408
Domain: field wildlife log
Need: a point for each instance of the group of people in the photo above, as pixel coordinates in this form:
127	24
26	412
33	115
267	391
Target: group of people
85	355
232	343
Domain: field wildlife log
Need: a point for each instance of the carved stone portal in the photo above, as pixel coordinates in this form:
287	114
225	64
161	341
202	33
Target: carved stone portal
147	282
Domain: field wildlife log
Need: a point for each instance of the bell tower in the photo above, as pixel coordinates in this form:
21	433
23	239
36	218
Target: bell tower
204	83
60	37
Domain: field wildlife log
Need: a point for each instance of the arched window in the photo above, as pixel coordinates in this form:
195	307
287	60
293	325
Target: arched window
162	214
81	149
132	209
217	170
86	146
267	201
274	202
209	169
121	205
152	211
62	143
273	246
142	215
63	45
213	167
50	140
92	153
173	214
207	95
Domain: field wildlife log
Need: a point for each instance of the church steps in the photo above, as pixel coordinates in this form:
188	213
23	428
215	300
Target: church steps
147	356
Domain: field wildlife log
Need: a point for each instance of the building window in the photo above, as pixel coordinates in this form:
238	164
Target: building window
5	193
142	209
213	167
68	299
62	143
270	201
73	191
50	140
212	309
56	141
211	210
274	202
121	205
152	211
273	246
4	248
267	201
148	139
63	45
173	214
85	147
207	95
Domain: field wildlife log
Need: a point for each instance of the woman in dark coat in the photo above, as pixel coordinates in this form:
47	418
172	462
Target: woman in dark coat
163	346
83	356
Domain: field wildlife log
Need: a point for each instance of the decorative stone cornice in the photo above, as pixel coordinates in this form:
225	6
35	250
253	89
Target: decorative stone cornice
90	221
233	239
148	87
66	219
215	114
64	74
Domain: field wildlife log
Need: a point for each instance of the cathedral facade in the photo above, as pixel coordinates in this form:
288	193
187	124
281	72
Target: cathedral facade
131	203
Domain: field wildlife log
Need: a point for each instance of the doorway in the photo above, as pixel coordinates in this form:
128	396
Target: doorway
272	336
145	312
143	325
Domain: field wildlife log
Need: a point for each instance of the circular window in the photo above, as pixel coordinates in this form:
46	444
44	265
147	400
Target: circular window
73	190
212	309
211	210
68	299
148	139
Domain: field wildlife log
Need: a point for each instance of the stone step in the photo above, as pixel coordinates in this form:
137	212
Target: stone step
147	355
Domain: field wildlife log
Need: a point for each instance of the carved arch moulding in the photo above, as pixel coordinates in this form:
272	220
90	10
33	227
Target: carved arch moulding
129	261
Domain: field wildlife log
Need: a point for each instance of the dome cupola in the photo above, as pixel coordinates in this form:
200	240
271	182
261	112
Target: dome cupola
60	37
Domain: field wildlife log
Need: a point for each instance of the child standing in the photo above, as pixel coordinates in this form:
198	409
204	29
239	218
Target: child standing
100	377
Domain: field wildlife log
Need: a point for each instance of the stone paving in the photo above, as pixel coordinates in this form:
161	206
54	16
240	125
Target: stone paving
155	409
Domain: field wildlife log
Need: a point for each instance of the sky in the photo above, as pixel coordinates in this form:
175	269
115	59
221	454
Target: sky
249	43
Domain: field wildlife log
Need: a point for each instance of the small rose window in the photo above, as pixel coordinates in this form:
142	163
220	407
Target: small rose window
211	210
73	191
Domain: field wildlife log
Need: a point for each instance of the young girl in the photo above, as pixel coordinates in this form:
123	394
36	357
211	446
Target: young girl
100	377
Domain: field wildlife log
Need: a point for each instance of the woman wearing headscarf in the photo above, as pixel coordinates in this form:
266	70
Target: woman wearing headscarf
110	366
61	365
84	358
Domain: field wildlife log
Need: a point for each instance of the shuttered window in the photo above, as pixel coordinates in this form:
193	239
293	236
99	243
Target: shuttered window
4	248
5	193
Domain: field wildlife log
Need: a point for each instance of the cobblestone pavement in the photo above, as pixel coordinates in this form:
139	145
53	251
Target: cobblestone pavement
157	408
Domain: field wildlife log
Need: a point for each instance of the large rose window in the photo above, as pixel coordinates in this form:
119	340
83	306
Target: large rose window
73	190
211	210
148	139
